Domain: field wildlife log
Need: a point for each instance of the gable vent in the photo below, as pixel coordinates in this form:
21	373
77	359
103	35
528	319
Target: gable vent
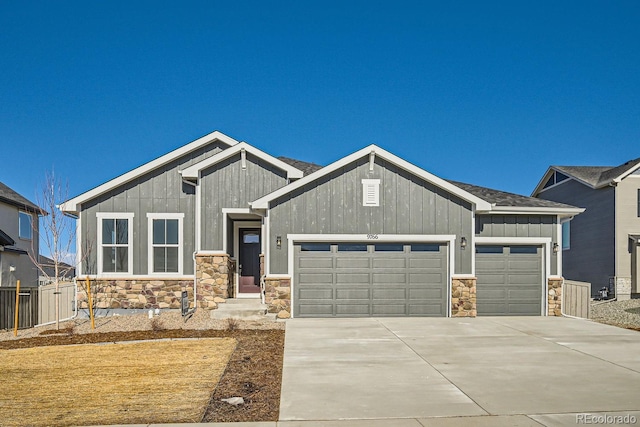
371	192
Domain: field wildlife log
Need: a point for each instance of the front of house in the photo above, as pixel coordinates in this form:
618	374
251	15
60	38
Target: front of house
369	235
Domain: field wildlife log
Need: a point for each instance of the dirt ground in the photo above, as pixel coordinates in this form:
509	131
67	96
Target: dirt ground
254	371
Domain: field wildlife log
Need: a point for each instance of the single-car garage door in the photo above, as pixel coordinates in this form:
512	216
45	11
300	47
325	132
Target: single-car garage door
509	280
360	279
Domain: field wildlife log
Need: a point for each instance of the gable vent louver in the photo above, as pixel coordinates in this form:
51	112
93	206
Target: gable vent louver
371	192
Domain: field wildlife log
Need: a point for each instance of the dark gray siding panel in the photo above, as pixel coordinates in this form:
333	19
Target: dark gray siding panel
333	205
592	254
159	191
227	185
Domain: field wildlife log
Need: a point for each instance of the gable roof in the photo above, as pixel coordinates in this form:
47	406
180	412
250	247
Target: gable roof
6	240
306	167
11	197
592	176
193	171
263	202
513	202
71	205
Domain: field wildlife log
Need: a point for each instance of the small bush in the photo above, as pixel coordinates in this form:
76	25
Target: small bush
232	324
156	324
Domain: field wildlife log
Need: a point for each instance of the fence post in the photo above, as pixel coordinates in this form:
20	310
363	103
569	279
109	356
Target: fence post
15	319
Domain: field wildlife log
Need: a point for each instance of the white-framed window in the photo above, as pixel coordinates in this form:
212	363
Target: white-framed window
165	243
566	235
115	241
25	225
370	192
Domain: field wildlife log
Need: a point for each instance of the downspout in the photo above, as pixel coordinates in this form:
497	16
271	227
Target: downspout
195	278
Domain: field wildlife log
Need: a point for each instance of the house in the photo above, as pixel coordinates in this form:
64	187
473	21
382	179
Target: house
368	235
601	245
66	272
19	223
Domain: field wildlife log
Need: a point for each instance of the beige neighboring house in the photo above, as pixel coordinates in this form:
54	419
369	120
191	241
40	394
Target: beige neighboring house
19	223
600	245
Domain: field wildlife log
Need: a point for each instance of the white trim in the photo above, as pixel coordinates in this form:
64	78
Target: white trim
545	242
211	253
198	218
263	202
516	210
237	226
79	249
448	239
266	227
150	246
193	171
237	211
71	205
123	276
560	242
627	173
115	215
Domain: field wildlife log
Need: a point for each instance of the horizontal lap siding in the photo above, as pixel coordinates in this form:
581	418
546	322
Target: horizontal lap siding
159	191
333	205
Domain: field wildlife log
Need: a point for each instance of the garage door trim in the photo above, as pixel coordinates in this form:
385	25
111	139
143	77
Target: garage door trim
545	242
447	239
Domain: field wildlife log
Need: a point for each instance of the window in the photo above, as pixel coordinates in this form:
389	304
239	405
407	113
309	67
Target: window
370	192
555	178
165	246
115	236
351	247
566	235
489	249
315	247
523	249
25	225
389	247
425	247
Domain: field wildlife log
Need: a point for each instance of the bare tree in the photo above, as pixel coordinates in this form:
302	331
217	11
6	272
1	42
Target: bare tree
57	233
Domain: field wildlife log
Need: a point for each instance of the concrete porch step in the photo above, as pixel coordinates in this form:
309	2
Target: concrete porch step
240	308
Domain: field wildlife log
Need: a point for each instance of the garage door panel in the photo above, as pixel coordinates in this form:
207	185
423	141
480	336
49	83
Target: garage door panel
509	282
315	294
316	278
371	283
349	293
353	262
389	263
389	278
315	310
353	278
353	309
384	294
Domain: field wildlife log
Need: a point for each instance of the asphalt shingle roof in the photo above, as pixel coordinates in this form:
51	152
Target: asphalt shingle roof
306	167
597	176
5	239
502	198
7	195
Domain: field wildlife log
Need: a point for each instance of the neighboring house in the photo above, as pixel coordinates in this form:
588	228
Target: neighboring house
368	235
601	245
18	238
66	272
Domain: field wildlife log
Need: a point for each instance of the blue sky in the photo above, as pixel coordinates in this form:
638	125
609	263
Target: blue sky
489	93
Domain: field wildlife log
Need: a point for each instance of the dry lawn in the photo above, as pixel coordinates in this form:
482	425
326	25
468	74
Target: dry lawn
122	383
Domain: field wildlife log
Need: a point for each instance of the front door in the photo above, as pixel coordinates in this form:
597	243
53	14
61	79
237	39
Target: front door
249	261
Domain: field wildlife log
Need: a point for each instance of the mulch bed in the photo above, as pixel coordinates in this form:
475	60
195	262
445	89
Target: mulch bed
254	371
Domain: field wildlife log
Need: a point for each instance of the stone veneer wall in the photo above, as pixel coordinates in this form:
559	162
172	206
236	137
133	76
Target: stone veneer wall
134	293
463	297
277	295
554	296
215	279
623	288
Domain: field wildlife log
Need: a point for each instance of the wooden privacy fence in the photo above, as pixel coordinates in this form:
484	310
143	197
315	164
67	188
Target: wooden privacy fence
576	299
47	302
27	311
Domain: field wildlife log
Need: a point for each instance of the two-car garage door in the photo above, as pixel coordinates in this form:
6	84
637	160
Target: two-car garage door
361	279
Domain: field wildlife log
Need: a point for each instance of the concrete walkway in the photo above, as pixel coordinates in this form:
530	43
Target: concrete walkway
427	371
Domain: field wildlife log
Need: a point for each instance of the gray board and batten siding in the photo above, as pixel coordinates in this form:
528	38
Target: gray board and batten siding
520	226
591	256
227	185
333	204
158	191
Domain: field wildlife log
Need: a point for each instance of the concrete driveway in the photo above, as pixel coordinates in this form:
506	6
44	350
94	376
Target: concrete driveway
524	370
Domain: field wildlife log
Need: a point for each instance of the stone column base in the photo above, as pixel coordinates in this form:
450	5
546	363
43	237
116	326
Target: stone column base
214	276
463	297
277	295
623	288
554	296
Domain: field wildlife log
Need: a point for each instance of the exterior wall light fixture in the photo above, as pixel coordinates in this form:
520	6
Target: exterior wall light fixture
555	248
463	243
279	242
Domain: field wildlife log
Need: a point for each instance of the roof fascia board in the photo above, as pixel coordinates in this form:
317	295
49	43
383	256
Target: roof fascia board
627	173
547	175
71	204
193	171
515	210
263	203
542	181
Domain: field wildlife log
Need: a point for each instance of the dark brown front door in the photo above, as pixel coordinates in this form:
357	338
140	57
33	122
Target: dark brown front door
249	262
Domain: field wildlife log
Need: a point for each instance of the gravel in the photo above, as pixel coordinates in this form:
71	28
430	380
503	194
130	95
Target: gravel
625	314
200	320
